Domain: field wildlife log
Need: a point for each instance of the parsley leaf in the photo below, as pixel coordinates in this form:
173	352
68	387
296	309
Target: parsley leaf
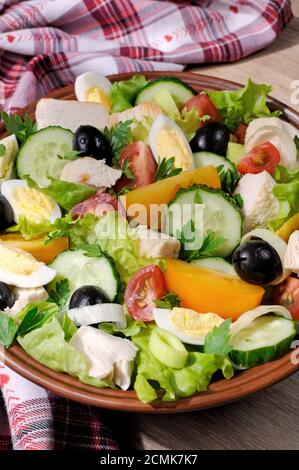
60	294
2	150
218	341
169	301
127	171
60	228
209	247
92	251
22	128
36	316
119	136
71	155
166	169
8	329
228	178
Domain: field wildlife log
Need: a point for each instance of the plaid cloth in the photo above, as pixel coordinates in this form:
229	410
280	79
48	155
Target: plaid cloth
44	45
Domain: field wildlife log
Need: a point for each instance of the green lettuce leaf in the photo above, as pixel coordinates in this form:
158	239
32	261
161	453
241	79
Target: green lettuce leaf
283	175
194	377
47	345
8	329
123	93
115	238
288	197
241	106
65	193
29	229
132	329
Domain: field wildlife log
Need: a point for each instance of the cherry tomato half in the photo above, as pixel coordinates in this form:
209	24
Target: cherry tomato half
287	294
144	287
205	107
141	164
264	157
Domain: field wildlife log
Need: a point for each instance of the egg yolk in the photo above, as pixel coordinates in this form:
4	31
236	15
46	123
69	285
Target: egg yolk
32	204
97	95
194	324
17	261
170	144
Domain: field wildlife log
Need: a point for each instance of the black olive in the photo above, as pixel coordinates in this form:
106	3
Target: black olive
213	137
6	297
88	295
257	262
6	214
92	143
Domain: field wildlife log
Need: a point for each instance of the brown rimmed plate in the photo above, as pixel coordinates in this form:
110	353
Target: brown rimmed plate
219	392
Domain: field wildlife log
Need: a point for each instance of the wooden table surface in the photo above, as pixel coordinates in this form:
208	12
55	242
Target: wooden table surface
267	420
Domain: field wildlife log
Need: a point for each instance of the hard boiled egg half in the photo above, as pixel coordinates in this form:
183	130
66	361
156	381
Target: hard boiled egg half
188	325
91	86
19	268
167	140
30	203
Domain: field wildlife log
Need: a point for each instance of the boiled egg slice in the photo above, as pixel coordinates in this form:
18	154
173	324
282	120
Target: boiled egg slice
188	325
167	140
30	203
19	268
93	87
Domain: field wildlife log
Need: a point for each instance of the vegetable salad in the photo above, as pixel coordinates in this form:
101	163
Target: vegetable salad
149	234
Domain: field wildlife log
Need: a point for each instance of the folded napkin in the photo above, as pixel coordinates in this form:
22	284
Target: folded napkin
37	420
44	45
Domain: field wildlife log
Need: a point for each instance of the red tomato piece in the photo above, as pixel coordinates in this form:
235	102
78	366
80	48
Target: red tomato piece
240	133
205	107
260	158
98	205
287	294
144	287
140	162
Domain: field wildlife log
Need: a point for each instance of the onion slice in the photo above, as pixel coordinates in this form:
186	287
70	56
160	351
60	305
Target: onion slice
99	313
248	317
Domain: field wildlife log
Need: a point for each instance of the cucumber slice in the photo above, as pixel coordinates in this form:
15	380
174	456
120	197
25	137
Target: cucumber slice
208	158
265	339
220	215
81	270
216	264
180	91
38	156
235	152
164	99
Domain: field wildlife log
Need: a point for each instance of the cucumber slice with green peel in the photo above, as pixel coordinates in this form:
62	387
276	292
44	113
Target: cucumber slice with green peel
216	264
39	158
220	215
208	158
81	270
235	152
180	91
267	338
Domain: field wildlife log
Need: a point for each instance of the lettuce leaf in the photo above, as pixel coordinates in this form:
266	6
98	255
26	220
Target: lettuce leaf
243	105
283	175
288	197
115	238
29	229
123	93
132	329
47	345
65	193
194	377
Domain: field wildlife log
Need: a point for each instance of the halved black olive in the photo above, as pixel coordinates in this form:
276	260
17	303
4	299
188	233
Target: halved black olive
88	295
7	298
213	137
92	143
6	214
257	262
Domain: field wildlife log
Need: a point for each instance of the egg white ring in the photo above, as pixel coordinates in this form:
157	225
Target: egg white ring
88	80
162	319
42	276
276	242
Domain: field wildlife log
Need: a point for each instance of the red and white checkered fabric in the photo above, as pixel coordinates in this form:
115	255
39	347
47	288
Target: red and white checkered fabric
45	44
